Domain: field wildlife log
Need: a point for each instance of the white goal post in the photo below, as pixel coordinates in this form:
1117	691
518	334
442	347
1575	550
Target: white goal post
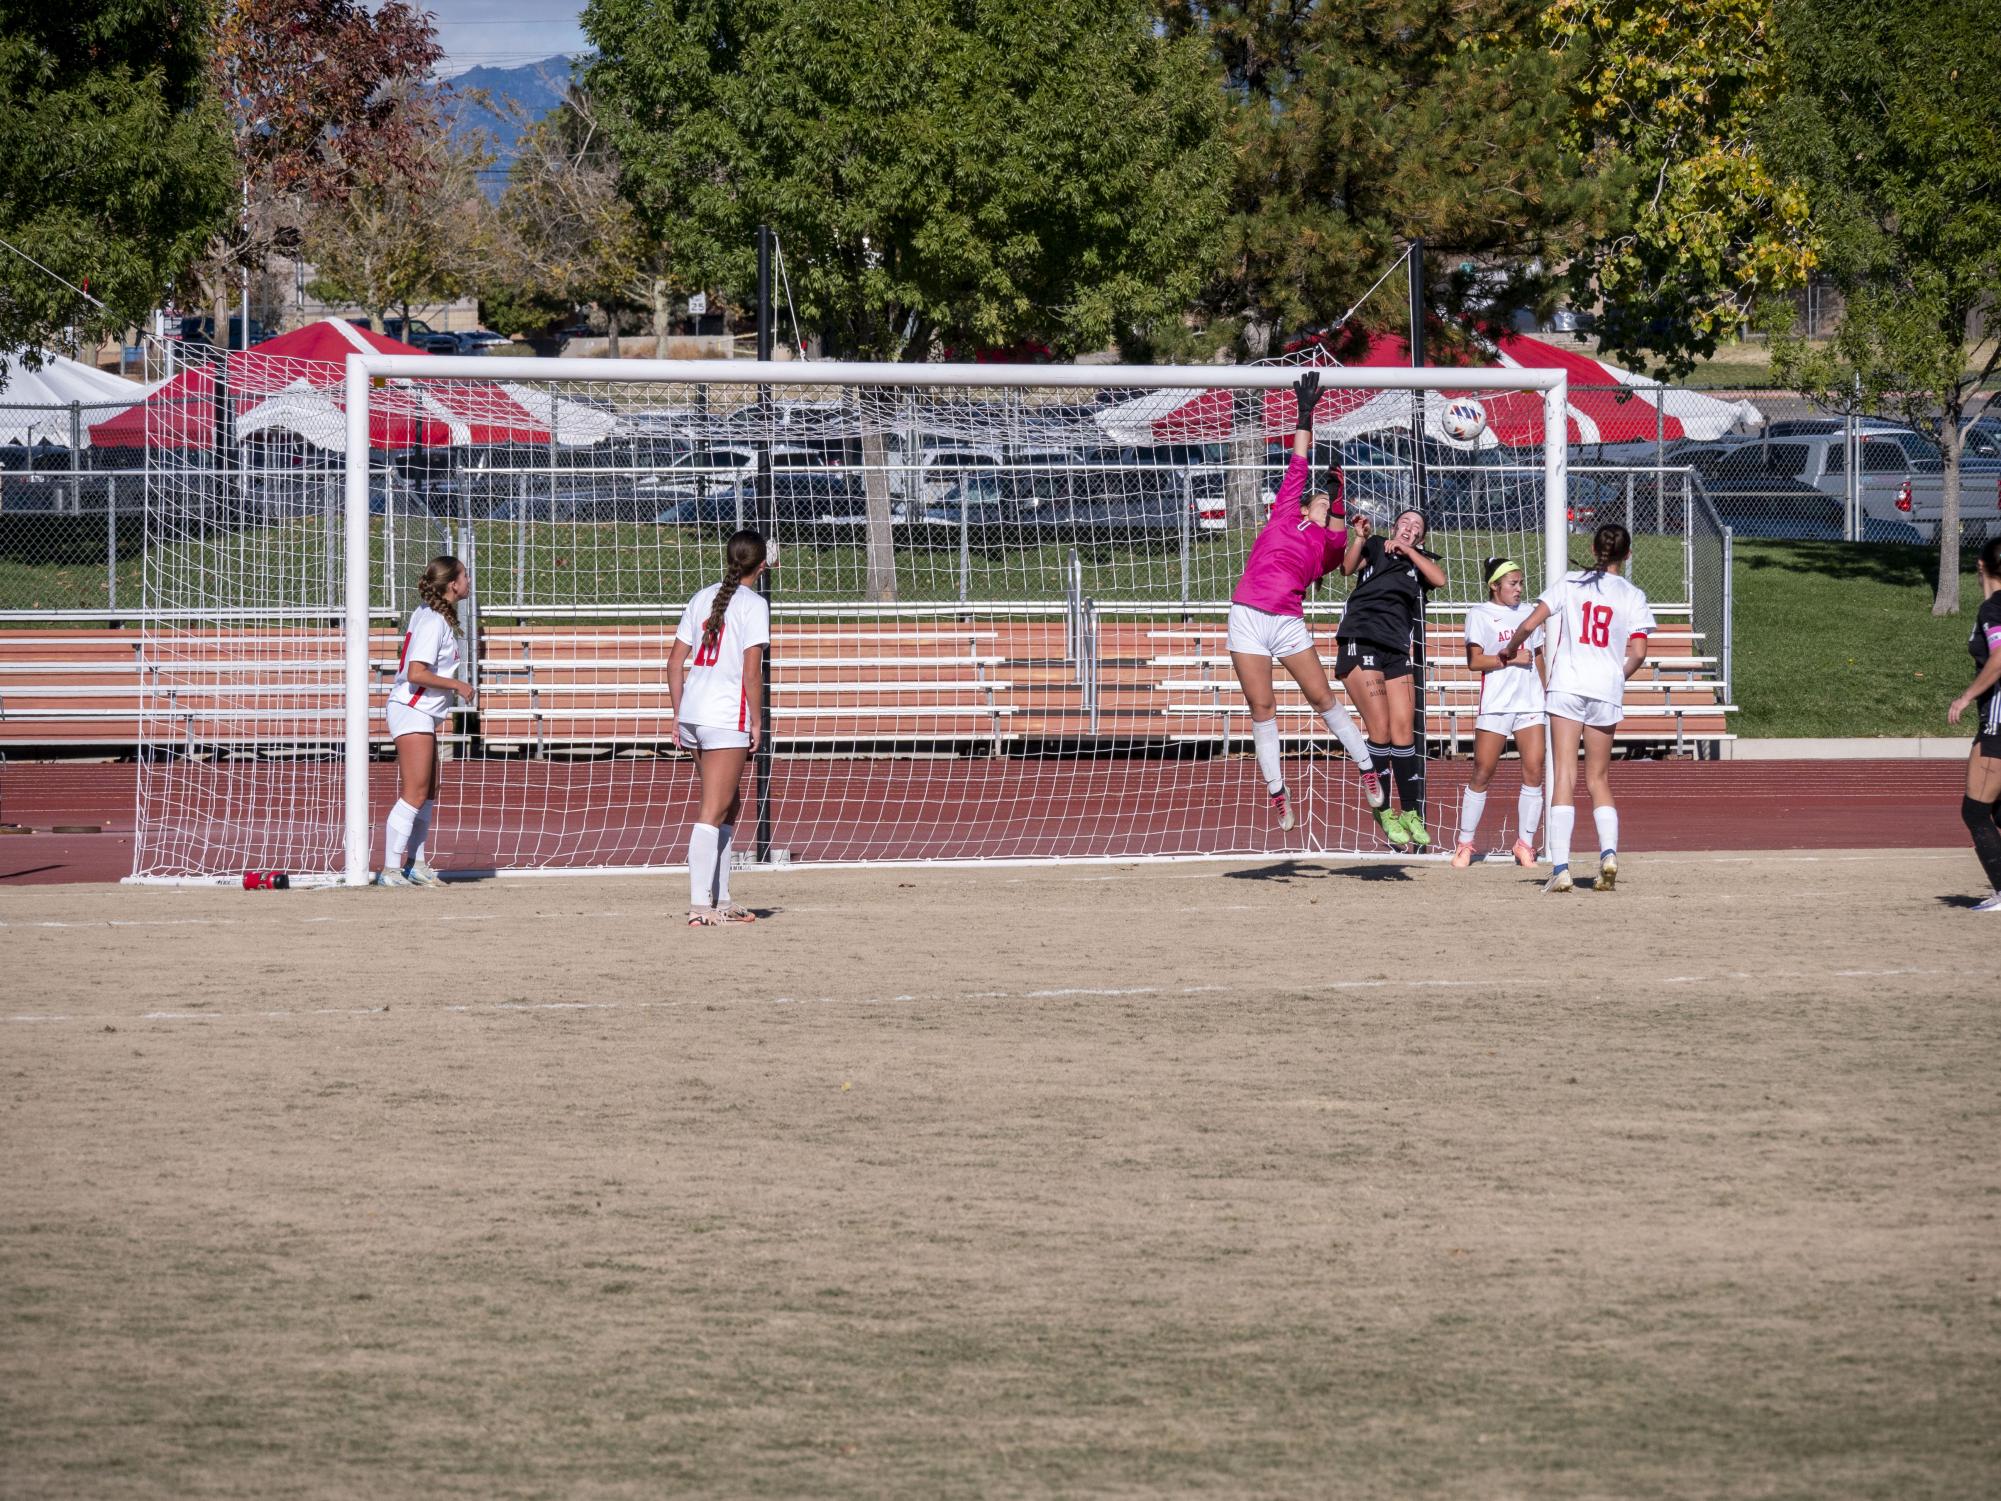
997	619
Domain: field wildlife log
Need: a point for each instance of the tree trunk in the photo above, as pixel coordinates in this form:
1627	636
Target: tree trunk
879	584
1244	484
611	331
663	316
1946	601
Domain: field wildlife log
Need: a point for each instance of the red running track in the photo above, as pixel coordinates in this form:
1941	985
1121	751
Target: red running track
979	807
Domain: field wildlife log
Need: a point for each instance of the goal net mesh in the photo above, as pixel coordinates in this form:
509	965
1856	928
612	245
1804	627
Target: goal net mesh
998	611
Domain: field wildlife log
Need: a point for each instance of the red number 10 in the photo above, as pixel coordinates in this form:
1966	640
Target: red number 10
1597	625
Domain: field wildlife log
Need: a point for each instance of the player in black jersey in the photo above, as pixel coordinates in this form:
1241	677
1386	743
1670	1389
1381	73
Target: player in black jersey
1384	610
1981	807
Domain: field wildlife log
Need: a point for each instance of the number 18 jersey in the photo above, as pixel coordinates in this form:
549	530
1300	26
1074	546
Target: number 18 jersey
1592	616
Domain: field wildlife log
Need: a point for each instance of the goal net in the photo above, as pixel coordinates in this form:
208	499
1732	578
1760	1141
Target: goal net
999	601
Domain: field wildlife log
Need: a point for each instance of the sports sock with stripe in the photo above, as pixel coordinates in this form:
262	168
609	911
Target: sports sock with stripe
1607	818
1528	814
1264	740
1409	768
1471	805
702	865
1561	817
396	834
1983	822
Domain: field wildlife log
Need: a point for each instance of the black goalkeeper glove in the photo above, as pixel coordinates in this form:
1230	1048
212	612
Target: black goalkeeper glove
1307	395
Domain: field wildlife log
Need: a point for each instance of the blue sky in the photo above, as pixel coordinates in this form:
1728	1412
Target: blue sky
500	34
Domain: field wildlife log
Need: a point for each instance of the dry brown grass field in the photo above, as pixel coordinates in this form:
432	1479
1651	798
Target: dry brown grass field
1284	1179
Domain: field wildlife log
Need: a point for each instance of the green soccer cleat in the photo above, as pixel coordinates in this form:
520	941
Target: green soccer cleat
1391	823
1414	832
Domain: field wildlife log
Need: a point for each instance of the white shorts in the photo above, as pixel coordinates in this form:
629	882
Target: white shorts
1592	711
1511	724
404	720
710	737
1260	634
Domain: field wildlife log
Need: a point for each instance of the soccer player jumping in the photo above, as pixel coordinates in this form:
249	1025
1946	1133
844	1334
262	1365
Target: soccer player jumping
1301	544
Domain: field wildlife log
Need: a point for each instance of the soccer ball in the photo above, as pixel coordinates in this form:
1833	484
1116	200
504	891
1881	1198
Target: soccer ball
1464	420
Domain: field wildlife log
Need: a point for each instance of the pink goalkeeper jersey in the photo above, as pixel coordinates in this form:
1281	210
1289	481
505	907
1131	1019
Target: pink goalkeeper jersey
1290	552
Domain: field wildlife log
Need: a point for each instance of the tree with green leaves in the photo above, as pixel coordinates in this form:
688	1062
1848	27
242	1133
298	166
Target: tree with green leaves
1892	127
971	175
1356	128
114	162
1668	101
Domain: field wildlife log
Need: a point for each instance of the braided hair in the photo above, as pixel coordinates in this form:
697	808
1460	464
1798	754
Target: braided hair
1610	544
433	587
742	556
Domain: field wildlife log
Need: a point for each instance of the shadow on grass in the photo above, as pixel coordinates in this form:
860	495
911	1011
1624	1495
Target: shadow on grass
1896	565
1288	871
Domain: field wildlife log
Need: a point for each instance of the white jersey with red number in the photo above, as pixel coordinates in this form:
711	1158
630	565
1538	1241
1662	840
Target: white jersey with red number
713	694
1592	616
431	640
1506	690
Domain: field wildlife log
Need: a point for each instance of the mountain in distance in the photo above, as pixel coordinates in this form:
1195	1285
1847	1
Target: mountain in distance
533	89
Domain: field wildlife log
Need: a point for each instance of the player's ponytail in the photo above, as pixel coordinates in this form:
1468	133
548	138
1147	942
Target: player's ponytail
434	588
1611	545
742	557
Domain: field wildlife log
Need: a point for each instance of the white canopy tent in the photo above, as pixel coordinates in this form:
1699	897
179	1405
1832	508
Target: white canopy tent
57	402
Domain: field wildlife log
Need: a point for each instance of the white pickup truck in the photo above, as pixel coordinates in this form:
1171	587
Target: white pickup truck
1901	478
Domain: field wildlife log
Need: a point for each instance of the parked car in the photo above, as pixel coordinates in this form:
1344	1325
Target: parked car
801	502
200	332
1901	478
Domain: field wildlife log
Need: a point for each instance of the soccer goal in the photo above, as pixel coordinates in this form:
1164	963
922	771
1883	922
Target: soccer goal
998	604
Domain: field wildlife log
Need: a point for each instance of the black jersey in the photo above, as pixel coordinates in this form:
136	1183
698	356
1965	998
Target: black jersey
1387	600
1986	640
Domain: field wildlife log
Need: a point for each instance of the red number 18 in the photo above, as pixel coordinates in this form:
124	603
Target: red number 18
1597	625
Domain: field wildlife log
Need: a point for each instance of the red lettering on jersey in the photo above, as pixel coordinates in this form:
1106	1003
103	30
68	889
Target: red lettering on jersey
1597	626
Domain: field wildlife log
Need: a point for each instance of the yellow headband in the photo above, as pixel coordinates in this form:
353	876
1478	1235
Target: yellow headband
1502	572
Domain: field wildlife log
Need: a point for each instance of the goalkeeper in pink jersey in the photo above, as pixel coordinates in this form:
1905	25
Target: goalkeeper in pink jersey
1301	544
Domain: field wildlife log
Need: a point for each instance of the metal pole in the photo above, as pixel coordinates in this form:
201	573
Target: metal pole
111	539
355	635
1729	602
1555	505
1415	269
1852	483
75	457
1187	542
767	517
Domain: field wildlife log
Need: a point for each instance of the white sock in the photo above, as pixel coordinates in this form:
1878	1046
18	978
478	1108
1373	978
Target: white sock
1528	814
725	836
702	865
396	834
1264	739
1561	819
1607	818
1353	741
1471	805
420	831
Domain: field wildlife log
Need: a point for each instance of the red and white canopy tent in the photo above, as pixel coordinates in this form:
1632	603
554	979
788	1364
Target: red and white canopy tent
294	384
1607	404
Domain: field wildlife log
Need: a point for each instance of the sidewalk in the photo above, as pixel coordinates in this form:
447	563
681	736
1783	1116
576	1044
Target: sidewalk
1921	748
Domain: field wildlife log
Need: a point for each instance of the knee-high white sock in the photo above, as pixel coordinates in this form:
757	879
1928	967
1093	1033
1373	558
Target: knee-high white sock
1607	818
1528	813
1353	741
1562	817
1471	805
702	865
1264	740
396	834
725	836
420	831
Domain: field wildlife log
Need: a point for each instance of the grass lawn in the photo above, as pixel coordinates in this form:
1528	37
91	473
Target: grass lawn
1833	639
